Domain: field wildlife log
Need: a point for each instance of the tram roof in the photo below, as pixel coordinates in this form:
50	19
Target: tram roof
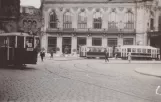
137	46
14	34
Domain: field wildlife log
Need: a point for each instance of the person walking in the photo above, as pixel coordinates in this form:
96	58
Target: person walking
106	55
51	53
42	55
129	57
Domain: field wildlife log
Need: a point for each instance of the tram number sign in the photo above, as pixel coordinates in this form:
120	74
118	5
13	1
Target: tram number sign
30	49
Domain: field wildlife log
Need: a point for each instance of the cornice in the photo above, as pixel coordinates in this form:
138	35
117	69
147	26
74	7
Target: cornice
81	2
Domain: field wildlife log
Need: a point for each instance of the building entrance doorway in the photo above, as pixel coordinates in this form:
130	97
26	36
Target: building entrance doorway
81	41
66	45
155	41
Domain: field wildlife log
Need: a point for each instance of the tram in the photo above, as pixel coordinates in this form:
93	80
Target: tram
18	49
138	52
94	51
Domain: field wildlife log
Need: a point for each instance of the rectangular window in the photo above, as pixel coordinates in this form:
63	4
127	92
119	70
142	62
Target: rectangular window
96	41
82	25
128	41
129	25
53	25
52	43
151	24
97	25
112	42
67	25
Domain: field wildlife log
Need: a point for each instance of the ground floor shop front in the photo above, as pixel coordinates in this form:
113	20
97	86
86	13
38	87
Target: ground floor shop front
59	43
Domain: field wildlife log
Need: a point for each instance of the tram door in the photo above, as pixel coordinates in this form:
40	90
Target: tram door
3	50
66	45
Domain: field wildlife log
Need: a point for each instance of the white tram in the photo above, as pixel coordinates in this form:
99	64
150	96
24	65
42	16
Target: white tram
138	52
94	51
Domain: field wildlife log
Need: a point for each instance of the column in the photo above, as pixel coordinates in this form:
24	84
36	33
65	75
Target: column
89	41
74	44
59	45
120	41
43	42
104	41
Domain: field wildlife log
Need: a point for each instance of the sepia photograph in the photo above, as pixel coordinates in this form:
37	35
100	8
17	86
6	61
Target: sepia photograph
80	50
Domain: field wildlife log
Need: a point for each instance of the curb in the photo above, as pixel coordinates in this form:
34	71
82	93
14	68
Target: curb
145	73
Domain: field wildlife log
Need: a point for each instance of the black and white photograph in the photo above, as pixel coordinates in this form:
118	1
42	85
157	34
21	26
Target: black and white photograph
80	50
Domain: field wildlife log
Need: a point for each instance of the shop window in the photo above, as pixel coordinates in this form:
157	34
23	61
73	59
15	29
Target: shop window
52	43
128	41
96	41
112	42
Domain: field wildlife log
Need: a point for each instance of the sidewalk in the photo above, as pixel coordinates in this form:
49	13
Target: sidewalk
151	71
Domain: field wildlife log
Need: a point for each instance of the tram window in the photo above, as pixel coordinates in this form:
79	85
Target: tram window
2	41
133	50
129	50
144	50
12	41
149	50
29	42
139	50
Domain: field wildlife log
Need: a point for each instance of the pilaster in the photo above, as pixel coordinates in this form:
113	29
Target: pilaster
74	44
59	45
89	41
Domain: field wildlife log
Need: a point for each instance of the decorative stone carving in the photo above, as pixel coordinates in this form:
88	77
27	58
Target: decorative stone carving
105	8
97	9
90	8
82	10
61	9
67	10
113	9
75	9
121	9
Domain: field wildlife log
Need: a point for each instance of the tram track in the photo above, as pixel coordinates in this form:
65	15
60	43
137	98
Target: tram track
103	87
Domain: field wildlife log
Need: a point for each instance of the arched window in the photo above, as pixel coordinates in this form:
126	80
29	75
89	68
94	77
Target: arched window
82	19
112	20
53	20
129	20
151	20
97	20
67	20
159	23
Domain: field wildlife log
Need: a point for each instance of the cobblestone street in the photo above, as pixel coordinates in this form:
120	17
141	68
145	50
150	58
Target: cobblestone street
78	81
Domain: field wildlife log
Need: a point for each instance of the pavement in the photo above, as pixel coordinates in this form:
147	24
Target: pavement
151	71
85	80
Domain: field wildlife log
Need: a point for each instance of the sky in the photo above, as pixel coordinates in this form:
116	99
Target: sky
35	3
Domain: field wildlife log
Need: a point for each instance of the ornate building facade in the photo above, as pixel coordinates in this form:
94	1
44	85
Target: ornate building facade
30	20
9	15
72	23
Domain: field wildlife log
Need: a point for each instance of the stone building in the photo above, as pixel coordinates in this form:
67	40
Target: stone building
9	15
30	20
71	23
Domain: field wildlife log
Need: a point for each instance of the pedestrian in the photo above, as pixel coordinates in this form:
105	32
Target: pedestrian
129	57
51	53
106	55
42	55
